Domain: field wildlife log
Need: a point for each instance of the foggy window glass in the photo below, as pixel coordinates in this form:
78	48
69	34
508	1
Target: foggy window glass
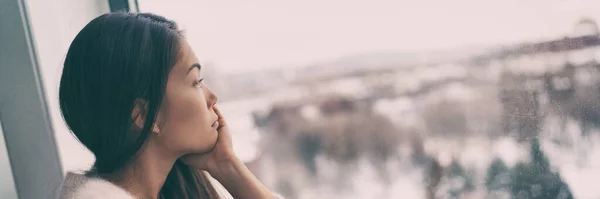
406	99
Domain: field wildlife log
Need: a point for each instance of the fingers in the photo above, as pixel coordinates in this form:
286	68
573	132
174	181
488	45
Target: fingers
222	121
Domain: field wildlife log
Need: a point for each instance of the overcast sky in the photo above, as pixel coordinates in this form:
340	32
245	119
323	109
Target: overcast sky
243	35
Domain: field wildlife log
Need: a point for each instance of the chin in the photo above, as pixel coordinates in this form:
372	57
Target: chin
214	140
208	145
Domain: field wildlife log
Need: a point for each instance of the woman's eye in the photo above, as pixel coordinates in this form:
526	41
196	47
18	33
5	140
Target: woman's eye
198	83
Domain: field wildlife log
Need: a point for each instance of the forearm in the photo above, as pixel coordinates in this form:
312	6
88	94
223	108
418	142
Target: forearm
239	181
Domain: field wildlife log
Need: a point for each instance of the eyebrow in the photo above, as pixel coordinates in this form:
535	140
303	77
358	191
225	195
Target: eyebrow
196	65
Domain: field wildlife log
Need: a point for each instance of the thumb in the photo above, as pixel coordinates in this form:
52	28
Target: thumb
222	123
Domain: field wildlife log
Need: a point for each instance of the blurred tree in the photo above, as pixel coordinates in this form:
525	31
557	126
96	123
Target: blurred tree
461	179
498	176
433	171
535	180
309	145
539	160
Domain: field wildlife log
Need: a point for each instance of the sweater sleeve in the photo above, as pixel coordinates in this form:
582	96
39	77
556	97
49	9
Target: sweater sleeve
224	194
78	186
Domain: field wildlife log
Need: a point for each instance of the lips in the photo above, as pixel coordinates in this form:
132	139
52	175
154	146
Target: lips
215	124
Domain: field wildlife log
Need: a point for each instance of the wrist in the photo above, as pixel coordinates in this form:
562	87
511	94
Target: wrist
223	168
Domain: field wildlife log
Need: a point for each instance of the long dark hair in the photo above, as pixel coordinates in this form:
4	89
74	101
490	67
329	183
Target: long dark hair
115	60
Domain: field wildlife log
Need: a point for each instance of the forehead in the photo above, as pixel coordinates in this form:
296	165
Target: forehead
185	58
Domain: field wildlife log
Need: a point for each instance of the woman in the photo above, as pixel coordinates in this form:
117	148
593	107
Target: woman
132	92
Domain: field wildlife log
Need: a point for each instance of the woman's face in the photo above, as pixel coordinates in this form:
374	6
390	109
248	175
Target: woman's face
187	121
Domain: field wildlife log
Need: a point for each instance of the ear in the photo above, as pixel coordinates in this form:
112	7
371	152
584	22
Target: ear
155	128
139	113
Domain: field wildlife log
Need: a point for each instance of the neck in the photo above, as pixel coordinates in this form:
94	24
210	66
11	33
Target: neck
145	177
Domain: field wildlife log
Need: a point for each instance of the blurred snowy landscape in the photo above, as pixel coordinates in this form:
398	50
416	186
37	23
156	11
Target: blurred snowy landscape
459	124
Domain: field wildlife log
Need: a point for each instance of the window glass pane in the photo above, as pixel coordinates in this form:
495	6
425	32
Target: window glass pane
54	25
406	99
7	185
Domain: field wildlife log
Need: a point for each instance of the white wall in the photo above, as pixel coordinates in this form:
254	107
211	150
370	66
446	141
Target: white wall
54	24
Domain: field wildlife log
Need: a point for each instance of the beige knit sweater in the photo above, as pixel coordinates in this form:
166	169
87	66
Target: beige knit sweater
78	186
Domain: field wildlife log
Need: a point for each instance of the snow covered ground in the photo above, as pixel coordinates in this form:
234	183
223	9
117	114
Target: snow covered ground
577	163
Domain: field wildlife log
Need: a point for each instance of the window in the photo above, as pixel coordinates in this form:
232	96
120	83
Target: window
406	99
7	185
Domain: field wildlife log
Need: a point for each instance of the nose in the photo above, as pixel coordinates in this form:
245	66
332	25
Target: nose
212	98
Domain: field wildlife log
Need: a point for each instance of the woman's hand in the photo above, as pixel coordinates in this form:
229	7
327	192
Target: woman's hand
222	152
222	164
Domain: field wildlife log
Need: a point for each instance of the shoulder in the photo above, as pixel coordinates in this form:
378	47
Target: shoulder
78	186
100	189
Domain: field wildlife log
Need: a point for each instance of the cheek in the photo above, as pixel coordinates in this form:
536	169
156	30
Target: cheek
187	126
187	110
